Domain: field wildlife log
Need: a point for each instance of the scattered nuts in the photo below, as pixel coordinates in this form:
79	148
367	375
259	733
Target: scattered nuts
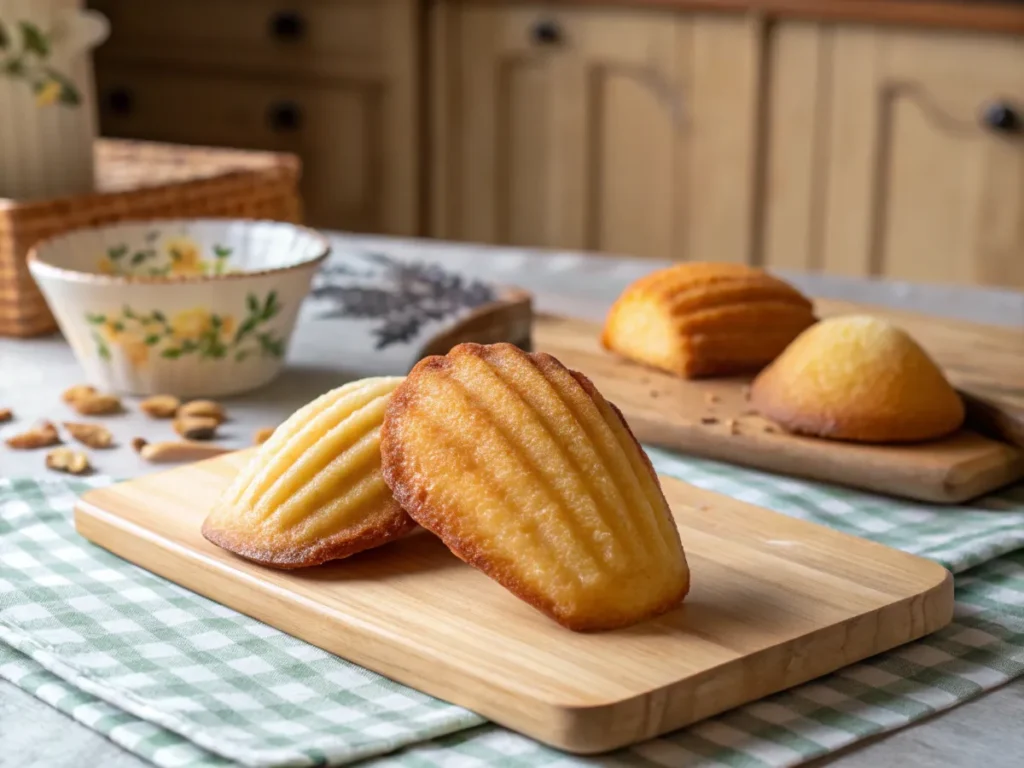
205	408
97	404
711	398
708	420
77	392
41	436
138	443
6	414
67	460
262	435
160	406
196	427
161	453
92	435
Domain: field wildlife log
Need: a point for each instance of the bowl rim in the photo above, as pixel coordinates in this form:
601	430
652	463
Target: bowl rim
37	264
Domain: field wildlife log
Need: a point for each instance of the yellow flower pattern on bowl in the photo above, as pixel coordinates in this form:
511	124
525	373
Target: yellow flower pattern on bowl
178	256
197	332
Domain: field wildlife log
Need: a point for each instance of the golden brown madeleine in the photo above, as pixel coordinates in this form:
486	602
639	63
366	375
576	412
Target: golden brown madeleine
706	319
526	472
314	491
858	378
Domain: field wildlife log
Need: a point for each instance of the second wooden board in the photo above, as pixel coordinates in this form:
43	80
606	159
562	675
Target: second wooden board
775	602
712	418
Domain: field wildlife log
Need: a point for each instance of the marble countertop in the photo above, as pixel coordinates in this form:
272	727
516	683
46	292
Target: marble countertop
34	372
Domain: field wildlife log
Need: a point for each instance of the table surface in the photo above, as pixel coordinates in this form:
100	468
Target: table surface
34	372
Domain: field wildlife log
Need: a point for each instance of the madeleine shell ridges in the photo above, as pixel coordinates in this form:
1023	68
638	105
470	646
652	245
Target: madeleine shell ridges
706	319
527	473
314	491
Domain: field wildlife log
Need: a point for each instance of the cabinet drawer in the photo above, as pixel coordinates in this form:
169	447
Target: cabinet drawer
265	32
336	129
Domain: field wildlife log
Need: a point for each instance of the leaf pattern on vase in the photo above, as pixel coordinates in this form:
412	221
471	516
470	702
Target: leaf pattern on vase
24	55
197	333
179	256
403	297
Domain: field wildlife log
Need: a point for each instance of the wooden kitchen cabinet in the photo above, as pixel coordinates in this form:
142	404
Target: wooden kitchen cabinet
335	81
624	130
897	153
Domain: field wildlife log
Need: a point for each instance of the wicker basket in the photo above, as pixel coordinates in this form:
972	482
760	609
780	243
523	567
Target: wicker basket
140	180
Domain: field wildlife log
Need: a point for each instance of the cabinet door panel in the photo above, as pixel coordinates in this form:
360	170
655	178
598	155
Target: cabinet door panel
335	130
611	129
919	187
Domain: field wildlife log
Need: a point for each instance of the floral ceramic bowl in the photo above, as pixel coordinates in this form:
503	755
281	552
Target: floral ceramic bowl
190	308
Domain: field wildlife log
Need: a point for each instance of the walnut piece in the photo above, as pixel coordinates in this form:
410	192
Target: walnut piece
160	406
42	435
92	435
196	427
207	409
67	460
138	443
6	414
97	404
77	392
170	452
262	435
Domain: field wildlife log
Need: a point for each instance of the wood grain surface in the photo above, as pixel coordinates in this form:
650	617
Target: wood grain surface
712	418
988	15
775	602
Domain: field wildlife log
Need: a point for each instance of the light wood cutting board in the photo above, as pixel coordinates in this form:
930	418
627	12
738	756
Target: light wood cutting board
712	418
775	602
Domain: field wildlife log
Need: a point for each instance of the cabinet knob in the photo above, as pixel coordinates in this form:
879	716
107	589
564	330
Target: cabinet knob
547	32
120	101
1003	117
287	26
285	117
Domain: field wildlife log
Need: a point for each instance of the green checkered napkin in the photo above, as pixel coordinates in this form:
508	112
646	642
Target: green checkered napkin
182	681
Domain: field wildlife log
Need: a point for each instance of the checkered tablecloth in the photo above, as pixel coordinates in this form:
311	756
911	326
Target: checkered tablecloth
183	681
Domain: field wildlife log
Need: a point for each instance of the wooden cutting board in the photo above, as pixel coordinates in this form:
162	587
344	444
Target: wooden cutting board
775	602
712	418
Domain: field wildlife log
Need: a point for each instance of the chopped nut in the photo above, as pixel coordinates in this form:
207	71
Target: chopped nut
655	394
138	443
67	460
97	404
262	435
196	427
6	414
160	453
160	406
77	392
41	436
746	391
711	398
205	408
708	420
770	429
93	435
734	427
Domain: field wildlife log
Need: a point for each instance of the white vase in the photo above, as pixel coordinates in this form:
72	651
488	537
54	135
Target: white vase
47	97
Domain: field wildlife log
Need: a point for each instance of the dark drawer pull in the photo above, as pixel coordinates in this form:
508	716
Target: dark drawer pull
547	32
120	101
285	117
1002	117
287	26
